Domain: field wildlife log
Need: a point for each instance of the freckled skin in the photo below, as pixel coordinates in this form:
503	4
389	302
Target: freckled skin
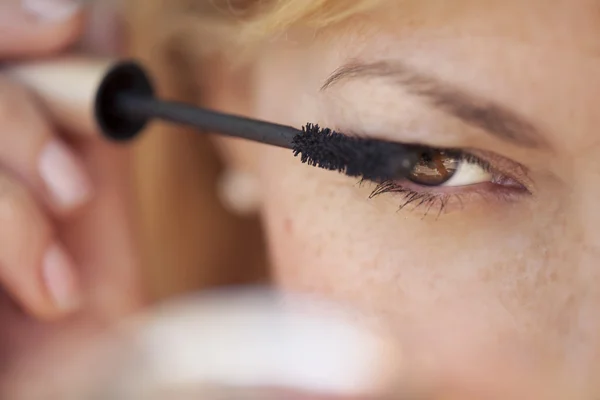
514	282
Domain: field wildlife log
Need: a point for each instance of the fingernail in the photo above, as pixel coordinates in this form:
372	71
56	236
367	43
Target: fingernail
52	10
64	178
59	276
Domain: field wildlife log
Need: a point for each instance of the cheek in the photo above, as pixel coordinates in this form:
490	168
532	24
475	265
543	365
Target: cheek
464	287
326	237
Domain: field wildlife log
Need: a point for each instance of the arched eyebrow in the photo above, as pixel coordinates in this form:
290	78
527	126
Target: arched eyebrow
494	118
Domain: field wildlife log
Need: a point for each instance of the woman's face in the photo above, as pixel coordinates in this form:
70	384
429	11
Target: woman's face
503	260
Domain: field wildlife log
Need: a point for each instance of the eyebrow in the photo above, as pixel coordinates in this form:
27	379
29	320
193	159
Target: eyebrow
496	119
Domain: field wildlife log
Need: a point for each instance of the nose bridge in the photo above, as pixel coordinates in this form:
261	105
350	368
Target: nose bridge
583	245
579	247
586	224
585	200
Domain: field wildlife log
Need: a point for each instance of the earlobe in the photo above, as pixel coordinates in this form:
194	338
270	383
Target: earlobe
227	88
239	192
230	90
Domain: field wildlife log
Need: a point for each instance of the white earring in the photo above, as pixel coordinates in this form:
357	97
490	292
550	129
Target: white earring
238	192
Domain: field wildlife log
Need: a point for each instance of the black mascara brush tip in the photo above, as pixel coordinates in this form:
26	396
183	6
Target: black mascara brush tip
356	157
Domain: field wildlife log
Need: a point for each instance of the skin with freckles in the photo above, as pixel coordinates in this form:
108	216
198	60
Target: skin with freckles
496	281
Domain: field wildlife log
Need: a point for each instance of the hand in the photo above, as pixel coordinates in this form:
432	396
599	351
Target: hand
66	247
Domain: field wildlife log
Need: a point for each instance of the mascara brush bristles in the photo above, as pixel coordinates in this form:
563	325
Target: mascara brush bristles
356	157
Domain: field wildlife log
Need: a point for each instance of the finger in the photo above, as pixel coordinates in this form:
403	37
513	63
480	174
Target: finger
34	269
105	28
36	27
66	87
29	148
111	259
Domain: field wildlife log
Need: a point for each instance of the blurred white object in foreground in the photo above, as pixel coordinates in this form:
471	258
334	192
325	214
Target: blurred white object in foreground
257	339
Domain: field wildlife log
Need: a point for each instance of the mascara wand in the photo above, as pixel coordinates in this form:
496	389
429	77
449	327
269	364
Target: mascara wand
125	103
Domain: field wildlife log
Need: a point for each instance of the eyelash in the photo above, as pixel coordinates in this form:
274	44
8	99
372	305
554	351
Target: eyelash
425	197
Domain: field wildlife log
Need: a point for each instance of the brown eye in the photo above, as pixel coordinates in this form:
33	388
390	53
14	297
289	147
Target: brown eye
435	167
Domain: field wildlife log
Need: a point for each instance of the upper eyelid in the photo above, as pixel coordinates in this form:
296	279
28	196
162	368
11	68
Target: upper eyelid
472	109
504	165
431	132
491	161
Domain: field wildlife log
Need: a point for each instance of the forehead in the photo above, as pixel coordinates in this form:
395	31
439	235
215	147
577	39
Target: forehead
540	57
573	24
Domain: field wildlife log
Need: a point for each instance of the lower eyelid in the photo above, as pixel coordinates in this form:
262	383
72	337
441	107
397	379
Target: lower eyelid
437	190
445	200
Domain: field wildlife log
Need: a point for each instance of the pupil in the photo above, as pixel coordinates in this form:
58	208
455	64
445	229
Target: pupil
435	167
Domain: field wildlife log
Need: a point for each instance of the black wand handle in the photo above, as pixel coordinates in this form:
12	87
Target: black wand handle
125	103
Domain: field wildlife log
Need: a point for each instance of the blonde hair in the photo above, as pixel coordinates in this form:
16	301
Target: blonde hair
281	15
240	25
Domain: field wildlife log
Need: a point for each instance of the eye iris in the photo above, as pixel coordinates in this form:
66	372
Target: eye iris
435	167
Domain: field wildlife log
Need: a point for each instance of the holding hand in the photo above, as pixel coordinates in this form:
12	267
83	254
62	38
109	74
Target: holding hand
42	178
66	244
